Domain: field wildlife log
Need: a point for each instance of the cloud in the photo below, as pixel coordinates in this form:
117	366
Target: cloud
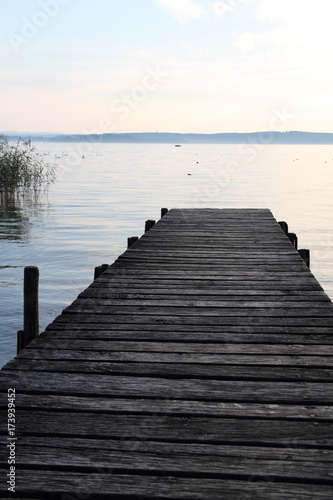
298	31
183	10
193	50
136	52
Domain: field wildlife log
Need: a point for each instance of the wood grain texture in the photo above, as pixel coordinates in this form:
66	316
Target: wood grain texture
106	483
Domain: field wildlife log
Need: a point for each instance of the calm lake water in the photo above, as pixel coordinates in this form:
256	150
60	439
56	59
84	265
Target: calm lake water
100	200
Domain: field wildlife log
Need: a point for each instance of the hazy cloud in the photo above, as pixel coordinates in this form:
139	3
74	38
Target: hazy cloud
182	10
136	52
301	27
195	51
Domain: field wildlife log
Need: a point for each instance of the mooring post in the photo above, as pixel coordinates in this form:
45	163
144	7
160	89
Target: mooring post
31	319
131	241
20	340
284	226
149	224
164	211
305	254
100	270
293	238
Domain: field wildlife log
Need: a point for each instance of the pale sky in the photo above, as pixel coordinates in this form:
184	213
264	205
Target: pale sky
205	66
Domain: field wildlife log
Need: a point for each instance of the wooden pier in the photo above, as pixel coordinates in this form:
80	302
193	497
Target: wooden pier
198	366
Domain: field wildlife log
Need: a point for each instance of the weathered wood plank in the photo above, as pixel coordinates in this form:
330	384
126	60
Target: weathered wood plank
178	370
196	309
173	407
231	335
220	279
163	458
276	296
313	307
232	320
57	350
194	429
296	455
146	487
189	347
148	387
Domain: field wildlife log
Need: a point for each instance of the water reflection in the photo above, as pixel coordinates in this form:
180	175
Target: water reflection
16	211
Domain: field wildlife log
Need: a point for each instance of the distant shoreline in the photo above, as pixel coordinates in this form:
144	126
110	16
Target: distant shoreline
274	137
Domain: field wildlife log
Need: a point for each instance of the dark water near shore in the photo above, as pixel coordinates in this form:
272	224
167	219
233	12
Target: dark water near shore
99	200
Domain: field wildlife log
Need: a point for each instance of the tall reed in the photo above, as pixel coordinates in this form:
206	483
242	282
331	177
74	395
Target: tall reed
22	169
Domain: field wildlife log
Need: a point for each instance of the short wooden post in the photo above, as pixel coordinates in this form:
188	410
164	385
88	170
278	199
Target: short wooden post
131	241
100	270
293	238
31	320
20	340
305	254
284	226
164	211
149	224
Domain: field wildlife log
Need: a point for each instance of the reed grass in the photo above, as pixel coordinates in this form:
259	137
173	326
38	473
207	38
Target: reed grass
22	169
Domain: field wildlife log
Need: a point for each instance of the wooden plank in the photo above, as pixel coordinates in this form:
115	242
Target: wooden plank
155	319
220	279
286	254
193	311
230	333
189	347
194	429
99	302
296	455
57	350
74	483
171	406
234	335
135	458
179	370
199	294
202	389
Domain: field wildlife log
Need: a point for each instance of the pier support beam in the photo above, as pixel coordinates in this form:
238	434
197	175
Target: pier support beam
284	226
293	238
30	308
149	224
100	270
131	241
305	254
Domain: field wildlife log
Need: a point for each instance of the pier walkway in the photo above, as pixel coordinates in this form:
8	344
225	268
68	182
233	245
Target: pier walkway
198	366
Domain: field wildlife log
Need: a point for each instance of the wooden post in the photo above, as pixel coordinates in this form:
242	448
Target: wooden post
164	211
20	340
293	238
149	224
305	254
31	320
100	270
131	241
284	226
